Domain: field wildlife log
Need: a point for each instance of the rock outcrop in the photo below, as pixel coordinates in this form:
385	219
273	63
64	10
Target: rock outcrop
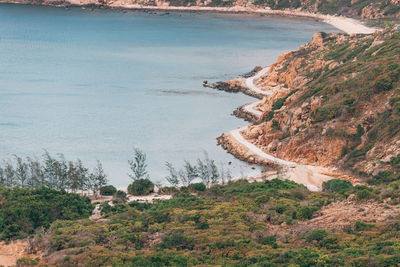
321	113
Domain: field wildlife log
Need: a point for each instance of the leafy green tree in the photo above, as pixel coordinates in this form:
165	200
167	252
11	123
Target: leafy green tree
108	190
141	187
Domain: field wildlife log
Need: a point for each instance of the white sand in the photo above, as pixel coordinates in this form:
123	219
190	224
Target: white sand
347	25
310	176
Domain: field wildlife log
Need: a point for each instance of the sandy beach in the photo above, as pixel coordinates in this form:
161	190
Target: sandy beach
347	25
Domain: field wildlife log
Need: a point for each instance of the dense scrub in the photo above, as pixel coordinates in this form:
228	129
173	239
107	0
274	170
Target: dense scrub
238	224
22	211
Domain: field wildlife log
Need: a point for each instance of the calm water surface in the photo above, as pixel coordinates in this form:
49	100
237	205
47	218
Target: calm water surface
95	84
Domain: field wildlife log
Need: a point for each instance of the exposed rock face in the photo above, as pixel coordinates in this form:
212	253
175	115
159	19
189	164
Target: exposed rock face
371	12
304	125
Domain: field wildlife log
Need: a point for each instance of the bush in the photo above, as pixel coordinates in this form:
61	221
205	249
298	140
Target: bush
176	239
108	190
269	240
24	210
364	194
22	262
305	213
326	113
382	85
120	196
361	226
339	186
317	235
197	187
141	187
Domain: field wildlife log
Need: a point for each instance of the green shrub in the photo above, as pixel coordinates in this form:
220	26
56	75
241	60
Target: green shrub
120	196
24	262
22	211
305	213
361	226
385	177
363	194
383	85
202	225
108	190
317	235
337	186
197	187
176	239
141	187
326	113
269	240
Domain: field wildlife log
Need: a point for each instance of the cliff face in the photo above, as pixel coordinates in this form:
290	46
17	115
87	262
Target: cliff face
368	9
338	104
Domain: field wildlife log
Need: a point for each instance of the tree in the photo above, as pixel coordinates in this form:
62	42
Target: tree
49	170
77	176
173	175
21	172
203	171
36	173
61	173
190	172
9	175
98	178
2	177
214	171
138	166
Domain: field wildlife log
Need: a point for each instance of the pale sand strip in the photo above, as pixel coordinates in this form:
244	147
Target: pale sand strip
249	82
250	108
310	176
347	25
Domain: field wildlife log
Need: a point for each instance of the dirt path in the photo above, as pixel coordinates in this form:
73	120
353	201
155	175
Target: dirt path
10	253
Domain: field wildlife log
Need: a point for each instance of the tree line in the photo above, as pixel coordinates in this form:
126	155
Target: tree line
204	169
56	172
51	172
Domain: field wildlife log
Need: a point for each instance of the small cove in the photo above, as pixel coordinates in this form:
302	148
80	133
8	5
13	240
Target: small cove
95	84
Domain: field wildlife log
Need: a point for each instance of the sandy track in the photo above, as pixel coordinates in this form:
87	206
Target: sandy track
310	176
347	25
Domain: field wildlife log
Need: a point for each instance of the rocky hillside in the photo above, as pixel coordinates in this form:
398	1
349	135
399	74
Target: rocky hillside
336	102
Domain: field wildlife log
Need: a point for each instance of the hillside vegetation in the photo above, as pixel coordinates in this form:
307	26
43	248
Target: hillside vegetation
337	102
237	224
23	211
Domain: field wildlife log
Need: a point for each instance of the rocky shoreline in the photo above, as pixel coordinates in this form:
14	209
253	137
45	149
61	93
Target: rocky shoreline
228	143
233	86
242	113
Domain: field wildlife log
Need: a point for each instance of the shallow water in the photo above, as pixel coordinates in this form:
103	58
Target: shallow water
95	84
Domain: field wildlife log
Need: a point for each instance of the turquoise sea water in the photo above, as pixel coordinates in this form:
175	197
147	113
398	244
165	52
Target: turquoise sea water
95	84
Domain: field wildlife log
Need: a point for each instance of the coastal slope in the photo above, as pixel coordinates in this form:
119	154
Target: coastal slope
333	103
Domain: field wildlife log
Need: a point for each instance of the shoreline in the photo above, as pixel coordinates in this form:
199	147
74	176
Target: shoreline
236	144
345	24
